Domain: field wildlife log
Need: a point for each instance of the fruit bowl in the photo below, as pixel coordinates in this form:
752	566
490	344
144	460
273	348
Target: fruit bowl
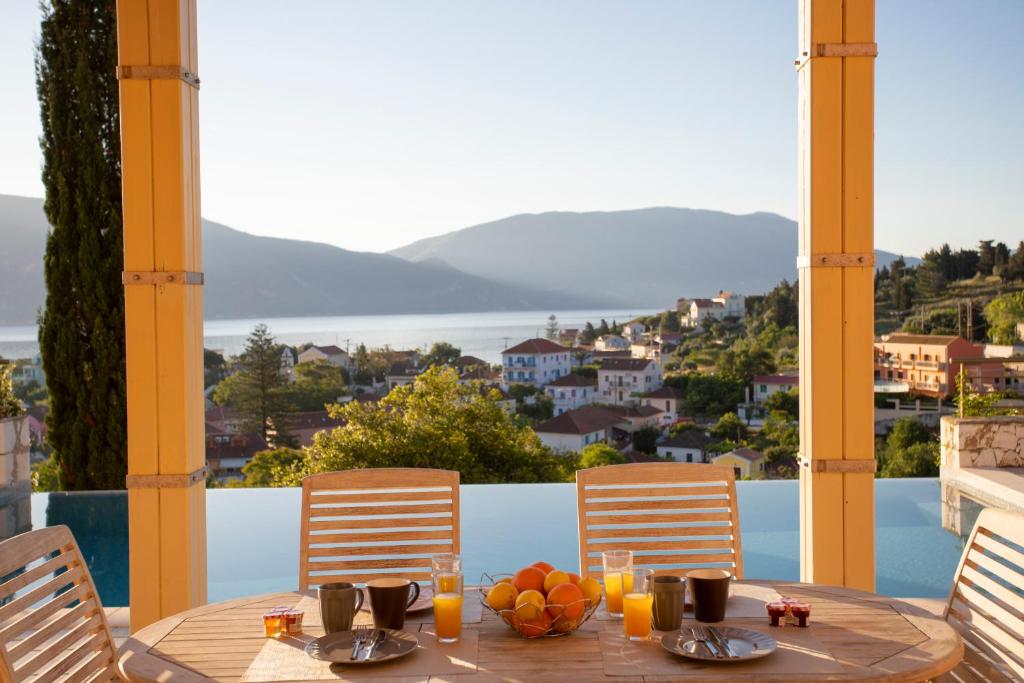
562	611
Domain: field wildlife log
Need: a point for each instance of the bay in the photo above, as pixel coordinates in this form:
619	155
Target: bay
478	334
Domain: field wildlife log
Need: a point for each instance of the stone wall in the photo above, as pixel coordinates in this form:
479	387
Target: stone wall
982	441
14	453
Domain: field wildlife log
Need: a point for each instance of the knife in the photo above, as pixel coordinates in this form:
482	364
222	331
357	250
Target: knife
379	636
723	641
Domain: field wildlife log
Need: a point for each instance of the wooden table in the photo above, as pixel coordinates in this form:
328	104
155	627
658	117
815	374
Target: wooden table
873	638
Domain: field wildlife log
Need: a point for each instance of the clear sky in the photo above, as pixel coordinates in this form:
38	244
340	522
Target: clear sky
371	124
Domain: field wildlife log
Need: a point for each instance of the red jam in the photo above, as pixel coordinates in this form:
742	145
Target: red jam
776	611
801	611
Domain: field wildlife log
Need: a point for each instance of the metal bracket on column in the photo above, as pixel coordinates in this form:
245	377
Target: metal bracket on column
165	481
862	465
835	261
161	277
837	50
170	72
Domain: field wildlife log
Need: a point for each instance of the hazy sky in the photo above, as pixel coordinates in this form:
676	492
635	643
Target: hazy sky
371	124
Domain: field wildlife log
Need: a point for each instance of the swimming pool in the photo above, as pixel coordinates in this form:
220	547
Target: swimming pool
252	534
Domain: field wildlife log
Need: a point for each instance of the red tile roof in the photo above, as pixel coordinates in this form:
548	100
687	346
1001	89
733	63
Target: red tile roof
925	339
574	380
788	380
625	364
664	392
330	350
634	411
470	361
748	454
536	346
583	420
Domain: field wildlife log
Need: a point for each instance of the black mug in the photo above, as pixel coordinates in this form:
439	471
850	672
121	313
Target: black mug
389	598
710	591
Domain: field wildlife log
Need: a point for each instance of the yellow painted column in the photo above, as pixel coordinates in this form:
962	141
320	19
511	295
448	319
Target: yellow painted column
836	261
157	65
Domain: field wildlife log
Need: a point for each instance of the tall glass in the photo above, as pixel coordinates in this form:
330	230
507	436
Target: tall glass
447	606
618	567
450	563
636	604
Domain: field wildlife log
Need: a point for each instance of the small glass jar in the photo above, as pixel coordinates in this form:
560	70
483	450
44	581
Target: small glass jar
282	621
292	622
800	612
776	612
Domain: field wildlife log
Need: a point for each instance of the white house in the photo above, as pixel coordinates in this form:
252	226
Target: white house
734	305
689	445
634	331
571	391
576	429
288	363
611	342
766	385
645	348
665	399
619	380
337	357
634	418
535	361
701	310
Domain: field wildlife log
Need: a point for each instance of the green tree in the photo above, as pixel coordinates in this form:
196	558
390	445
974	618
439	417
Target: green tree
917	460
258	390
10	406
316	384
1015	268
361	363
669	322
731	427
1003	313
589	334
442	353
551	329
277	467
81	328
603	328
46	475
646	440
1001	260
744	360
599	455
787	402
436	422
986	257
215	368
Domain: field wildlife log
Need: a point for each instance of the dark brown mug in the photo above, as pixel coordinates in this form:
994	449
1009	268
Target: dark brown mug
709	589
389	598
667	608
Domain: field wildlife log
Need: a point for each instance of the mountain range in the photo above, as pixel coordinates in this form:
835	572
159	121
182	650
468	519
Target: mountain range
551	261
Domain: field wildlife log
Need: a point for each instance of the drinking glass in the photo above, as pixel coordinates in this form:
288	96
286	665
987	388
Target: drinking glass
447	606
636	604
618	565
447	564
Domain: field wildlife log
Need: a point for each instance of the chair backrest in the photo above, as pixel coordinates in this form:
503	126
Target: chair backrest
673	516
52	624
986	603
358	525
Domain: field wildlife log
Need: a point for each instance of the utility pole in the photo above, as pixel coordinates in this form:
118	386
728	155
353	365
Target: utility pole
970	320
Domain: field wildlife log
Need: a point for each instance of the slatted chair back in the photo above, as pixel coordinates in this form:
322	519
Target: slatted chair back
986	603
363	524
52	625
673	516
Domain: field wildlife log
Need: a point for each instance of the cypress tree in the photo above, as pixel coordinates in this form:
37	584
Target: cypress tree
81	329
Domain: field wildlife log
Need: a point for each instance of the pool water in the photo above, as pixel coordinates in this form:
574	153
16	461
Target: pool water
253	534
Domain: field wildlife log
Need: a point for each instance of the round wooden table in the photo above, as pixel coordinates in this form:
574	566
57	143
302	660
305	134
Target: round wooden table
857	636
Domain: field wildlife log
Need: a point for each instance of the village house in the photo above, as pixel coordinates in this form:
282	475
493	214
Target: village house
634	418
570	392
767	385
576	429
221	419
304	426
568	337
228	452
334	355
745	462
927	363
401	376
689	445
734	305
467	362
667	400
619	380
535	361
611	342
601	356
634	331
701	310
288	359
645	348
478	373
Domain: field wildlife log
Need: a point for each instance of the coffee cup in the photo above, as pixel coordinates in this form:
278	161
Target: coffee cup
710	591
339	603
389	599
667	609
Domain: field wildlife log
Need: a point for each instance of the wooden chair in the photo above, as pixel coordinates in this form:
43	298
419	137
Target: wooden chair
399	516
52	625
673	516
986	603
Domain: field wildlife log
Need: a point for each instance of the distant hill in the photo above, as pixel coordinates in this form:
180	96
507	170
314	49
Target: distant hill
643	257
250	276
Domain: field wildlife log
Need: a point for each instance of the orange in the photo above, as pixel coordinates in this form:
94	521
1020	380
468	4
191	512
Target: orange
507	579
543	566
529	604
534	628
565	602
591	591
574	579
529	578
502	596
553	579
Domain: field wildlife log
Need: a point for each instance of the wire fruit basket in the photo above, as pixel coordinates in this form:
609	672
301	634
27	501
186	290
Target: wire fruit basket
554	620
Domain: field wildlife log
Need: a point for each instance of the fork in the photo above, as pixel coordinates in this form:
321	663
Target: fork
701	636
359	636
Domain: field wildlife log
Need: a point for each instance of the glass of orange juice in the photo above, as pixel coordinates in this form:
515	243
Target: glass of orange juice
637	600
618	567
447	606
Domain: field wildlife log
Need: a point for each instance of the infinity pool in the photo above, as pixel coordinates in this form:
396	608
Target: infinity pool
253	534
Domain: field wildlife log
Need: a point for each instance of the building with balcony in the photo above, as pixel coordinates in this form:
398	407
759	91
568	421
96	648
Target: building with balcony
733	305
767	385
928	363
535	361
623	380
667	400
570	392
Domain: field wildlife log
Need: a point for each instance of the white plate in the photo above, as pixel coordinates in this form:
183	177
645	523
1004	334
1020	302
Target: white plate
747	644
